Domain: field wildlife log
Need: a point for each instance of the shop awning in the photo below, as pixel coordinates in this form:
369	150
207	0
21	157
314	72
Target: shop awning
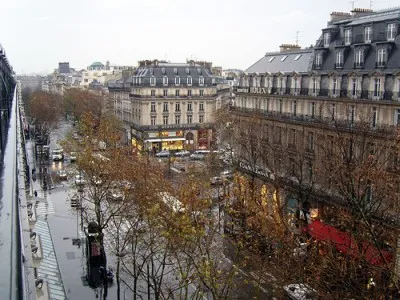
326	233
164	140
345	243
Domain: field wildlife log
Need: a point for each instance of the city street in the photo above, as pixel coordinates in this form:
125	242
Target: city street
63	222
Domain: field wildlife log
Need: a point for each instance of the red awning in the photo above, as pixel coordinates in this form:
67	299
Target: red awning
376	257
342	241
346	244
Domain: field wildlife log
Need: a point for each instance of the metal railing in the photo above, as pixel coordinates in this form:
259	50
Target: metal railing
344	93
10	246
317	120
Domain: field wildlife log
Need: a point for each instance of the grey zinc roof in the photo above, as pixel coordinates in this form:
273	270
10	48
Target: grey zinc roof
288	65
168	69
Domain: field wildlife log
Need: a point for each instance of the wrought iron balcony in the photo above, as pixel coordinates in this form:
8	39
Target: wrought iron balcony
322	121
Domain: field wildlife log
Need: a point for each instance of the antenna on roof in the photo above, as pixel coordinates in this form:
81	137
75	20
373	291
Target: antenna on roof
370	4
297	37
352	4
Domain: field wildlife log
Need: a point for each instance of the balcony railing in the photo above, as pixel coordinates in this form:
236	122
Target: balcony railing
194	126
171	96
321	120
344	93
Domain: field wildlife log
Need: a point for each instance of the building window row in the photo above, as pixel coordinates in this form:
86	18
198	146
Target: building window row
367	36
189	107
189	81
177	93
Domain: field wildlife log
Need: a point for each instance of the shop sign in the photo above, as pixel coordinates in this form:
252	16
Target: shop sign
253	90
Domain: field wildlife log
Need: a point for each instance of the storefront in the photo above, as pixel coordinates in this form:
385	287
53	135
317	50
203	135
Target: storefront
164	140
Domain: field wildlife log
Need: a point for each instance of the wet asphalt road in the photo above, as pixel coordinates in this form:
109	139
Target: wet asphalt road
64	224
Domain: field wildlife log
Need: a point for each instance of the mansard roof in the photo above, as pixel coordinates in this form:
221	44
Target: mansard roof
172	71
283	62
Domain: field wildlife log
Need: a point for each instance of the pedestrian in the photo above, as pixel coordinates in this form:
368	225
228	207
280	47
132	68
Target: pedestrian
35	193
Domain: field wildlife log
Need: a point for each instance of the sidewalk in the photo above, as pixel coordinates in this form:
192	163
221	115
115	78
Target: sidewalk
48	268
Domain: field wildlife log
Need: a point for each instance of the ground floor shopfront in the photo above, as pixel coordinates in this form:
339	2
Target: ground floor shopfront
156	141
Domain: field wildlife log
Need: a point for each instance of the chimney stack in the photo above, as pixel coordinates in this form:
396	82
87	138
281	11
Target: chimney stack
288	47
357	12
337	16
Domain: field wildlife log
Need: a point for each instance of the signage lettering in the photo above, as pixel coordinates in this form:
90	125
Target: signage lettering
253	90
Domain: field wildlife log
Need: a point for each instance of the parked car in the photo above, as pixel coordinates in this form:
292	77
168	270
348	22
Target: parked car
72	156
227	174
300	292
79	180
216	180
62	174
116	194
182	153
163	153
74	201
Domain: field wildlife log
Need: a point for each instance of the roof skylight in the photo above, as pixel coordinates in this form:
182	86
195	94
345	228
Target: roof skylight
283	58
271	59
297	57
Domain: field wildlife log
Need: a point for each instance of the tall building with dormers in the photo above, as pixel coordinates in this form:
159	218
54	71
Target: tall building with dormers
352	73
167	105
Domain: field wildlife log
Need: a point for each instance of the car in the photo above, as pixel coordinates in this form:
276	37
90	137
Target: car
74	201
163	153
117	194
62	174
182	153
72	156
58	154
216	180
300	292
79	180
227	174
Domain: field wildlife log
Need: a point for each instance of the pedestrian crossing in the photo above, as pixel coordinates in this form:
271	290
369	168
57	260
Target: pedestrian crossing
44	206
48	268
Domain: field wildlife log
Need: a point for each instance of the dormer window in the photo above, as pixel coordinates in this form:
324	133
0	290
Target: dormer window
189	80
165	80
347	37
151	71
327	39
187	71
381	58
201	80
339	59
318	61
359	58
199	71
177	80
368	34
176	71
391	31
152	80
163	71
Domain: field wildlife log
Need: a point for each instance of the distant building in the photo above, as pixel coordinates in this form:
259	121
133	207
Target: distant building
63	68
33	82
168	105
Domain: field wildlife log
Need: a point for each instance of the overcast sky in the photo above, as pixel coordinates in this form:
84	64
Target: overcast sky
230	33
